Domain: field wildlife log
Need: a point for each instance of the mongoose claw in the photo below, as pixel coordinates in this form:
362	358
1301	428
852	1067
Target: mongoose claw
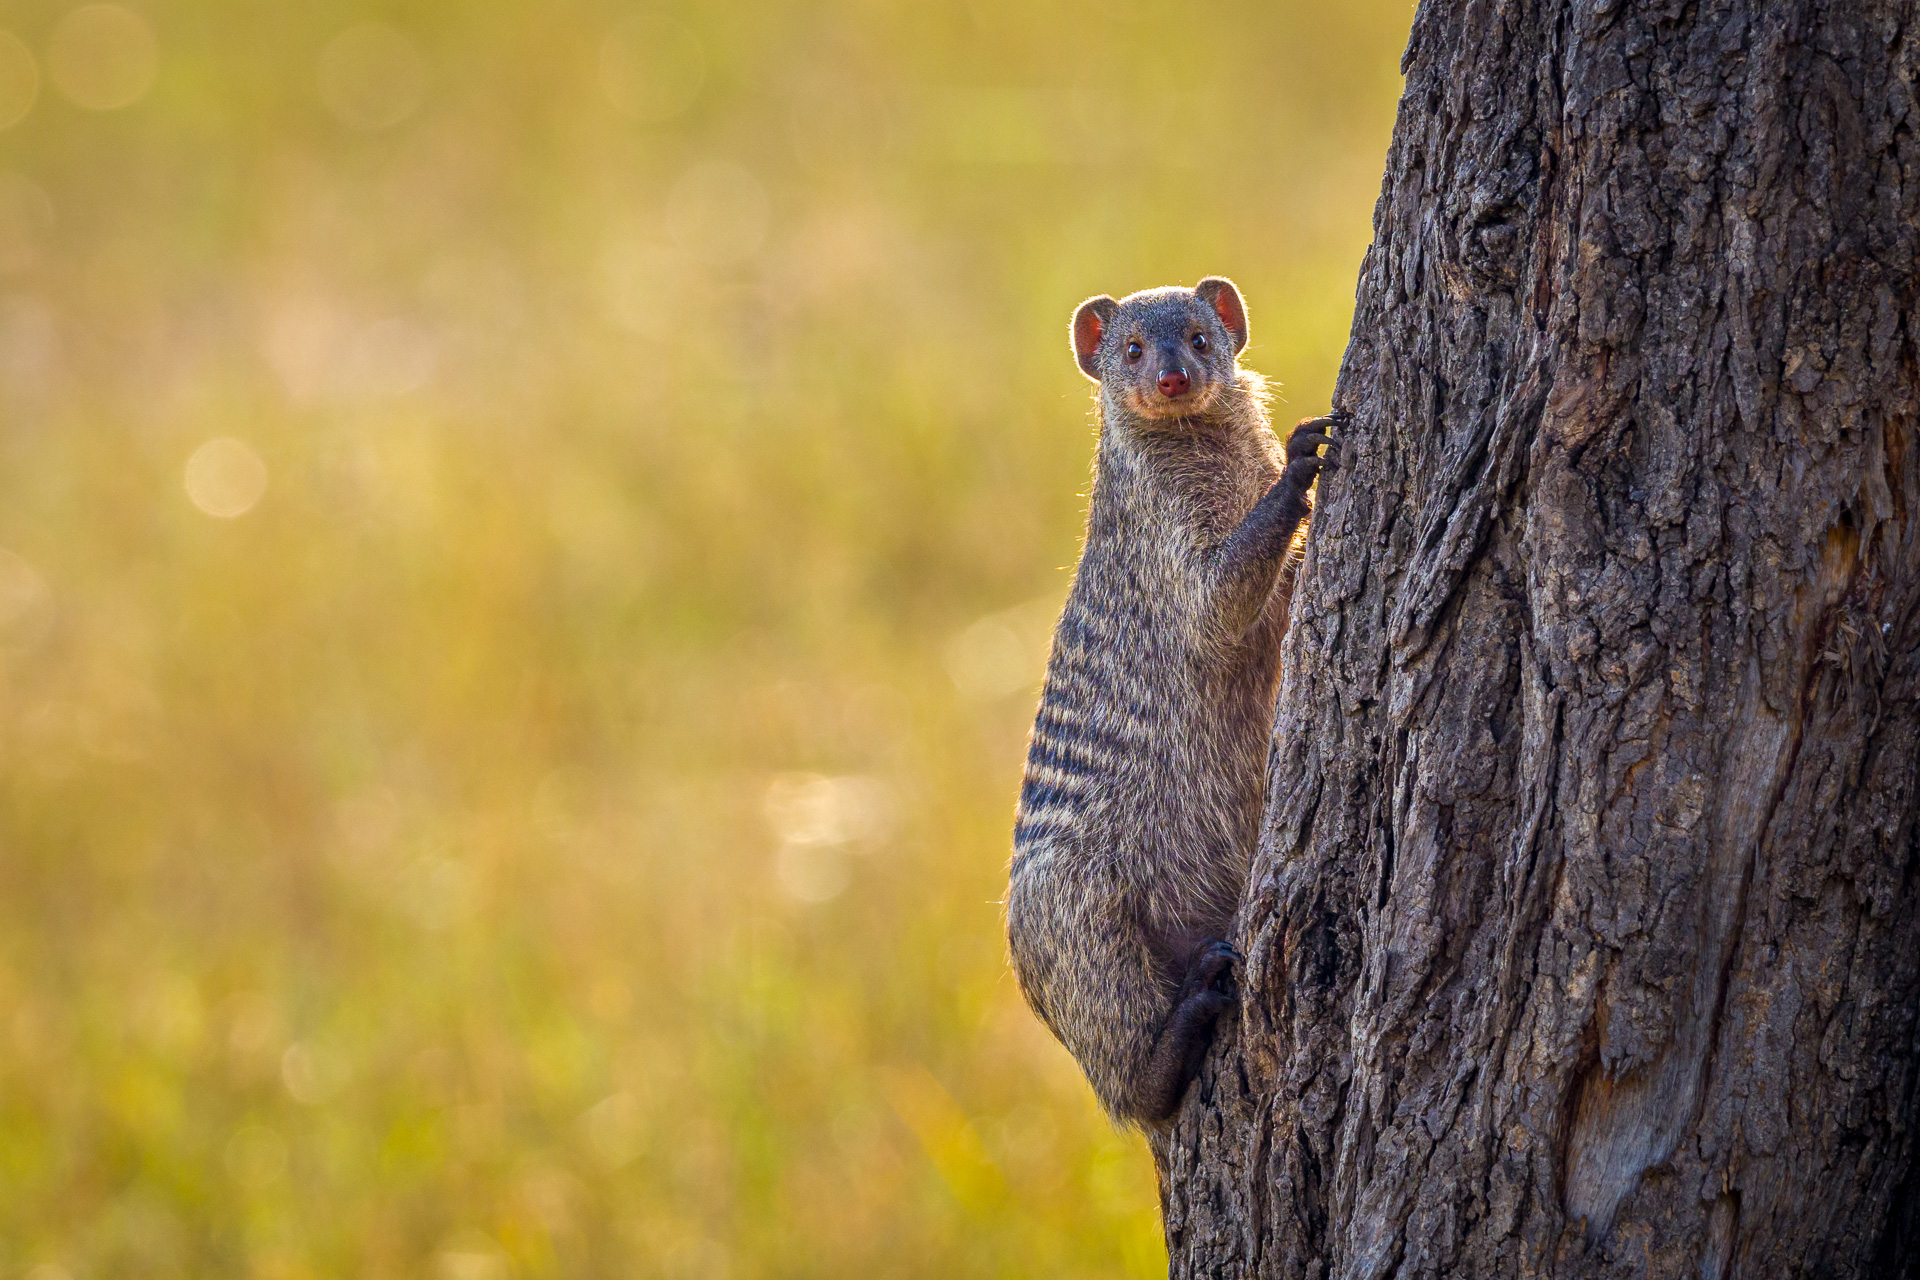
1305	462
1306	444
1327	422
1211	969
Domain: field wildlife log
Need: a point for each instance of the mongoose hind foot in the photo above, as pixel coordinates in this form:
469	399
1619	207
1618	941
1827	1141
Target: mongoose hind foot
1207	992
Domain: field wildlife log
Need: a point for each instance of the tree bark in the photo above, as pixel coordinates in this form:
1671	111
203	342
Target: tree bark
1582	938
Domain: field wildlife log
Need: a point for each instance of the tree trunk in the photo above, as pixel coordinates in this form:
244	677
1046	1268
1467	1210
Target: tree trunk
1582	938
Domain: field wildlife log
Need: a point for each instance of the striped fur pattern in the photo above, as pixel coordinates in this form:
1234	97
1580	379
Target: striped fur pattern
1145	770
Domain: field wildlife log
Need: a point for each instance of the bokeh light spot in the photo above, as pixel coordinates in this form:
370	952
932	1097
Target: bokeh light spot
1003	653
817	819
225	478
372	77
470	1255
19	80
103	57
313	1073
805	808
652	68
717	212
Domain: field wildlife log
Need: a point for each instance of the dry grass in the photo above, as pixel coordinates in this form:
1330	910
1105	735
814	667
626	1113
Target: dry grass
555	827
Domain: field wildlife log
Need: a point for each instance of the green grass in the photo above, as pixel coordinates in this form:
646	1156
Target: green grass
429	871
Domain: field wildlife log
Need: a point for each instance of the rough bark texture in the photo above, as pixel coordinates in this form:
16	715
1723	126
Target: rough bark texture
1583	938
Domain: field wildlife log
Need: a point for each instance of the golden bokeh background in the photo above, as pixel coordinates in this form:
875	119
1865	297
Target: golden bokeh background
527	536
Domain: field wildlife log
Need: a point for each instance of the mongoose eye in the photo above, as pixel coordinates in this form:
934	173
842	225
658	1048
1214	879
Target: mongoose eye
1199	342
1134	351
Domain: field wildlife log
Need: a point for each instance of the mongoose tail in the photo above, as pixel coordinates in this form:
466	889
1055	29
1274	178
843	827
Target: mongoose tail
1143	784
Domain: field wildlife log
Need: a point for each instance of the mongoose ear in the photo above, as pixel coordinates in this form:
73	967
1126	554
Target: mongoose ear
1089	326
1218	292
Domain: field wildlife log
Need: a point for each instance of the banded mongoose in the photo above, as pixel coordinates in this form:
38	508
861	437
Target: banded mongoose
1145	771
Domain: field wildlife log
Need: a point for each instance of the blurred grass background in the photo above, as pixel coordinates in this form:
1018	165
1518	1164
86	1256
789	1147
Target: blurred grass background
527	534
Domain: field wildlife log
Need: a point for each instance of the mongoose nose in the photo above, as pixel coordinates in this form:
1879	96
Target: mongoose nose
1174	383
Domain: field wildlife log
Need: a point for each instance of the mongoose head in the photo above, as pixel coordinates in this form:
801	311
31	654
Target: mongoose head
1163	353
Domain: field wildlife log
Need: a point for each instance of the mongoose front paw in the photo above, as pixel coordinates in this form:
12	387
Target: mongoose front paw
1304	459
1307	438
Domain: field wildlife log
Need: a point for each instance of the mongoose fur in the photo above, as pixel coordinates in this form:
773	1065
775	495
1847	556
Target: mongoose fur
1145	771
